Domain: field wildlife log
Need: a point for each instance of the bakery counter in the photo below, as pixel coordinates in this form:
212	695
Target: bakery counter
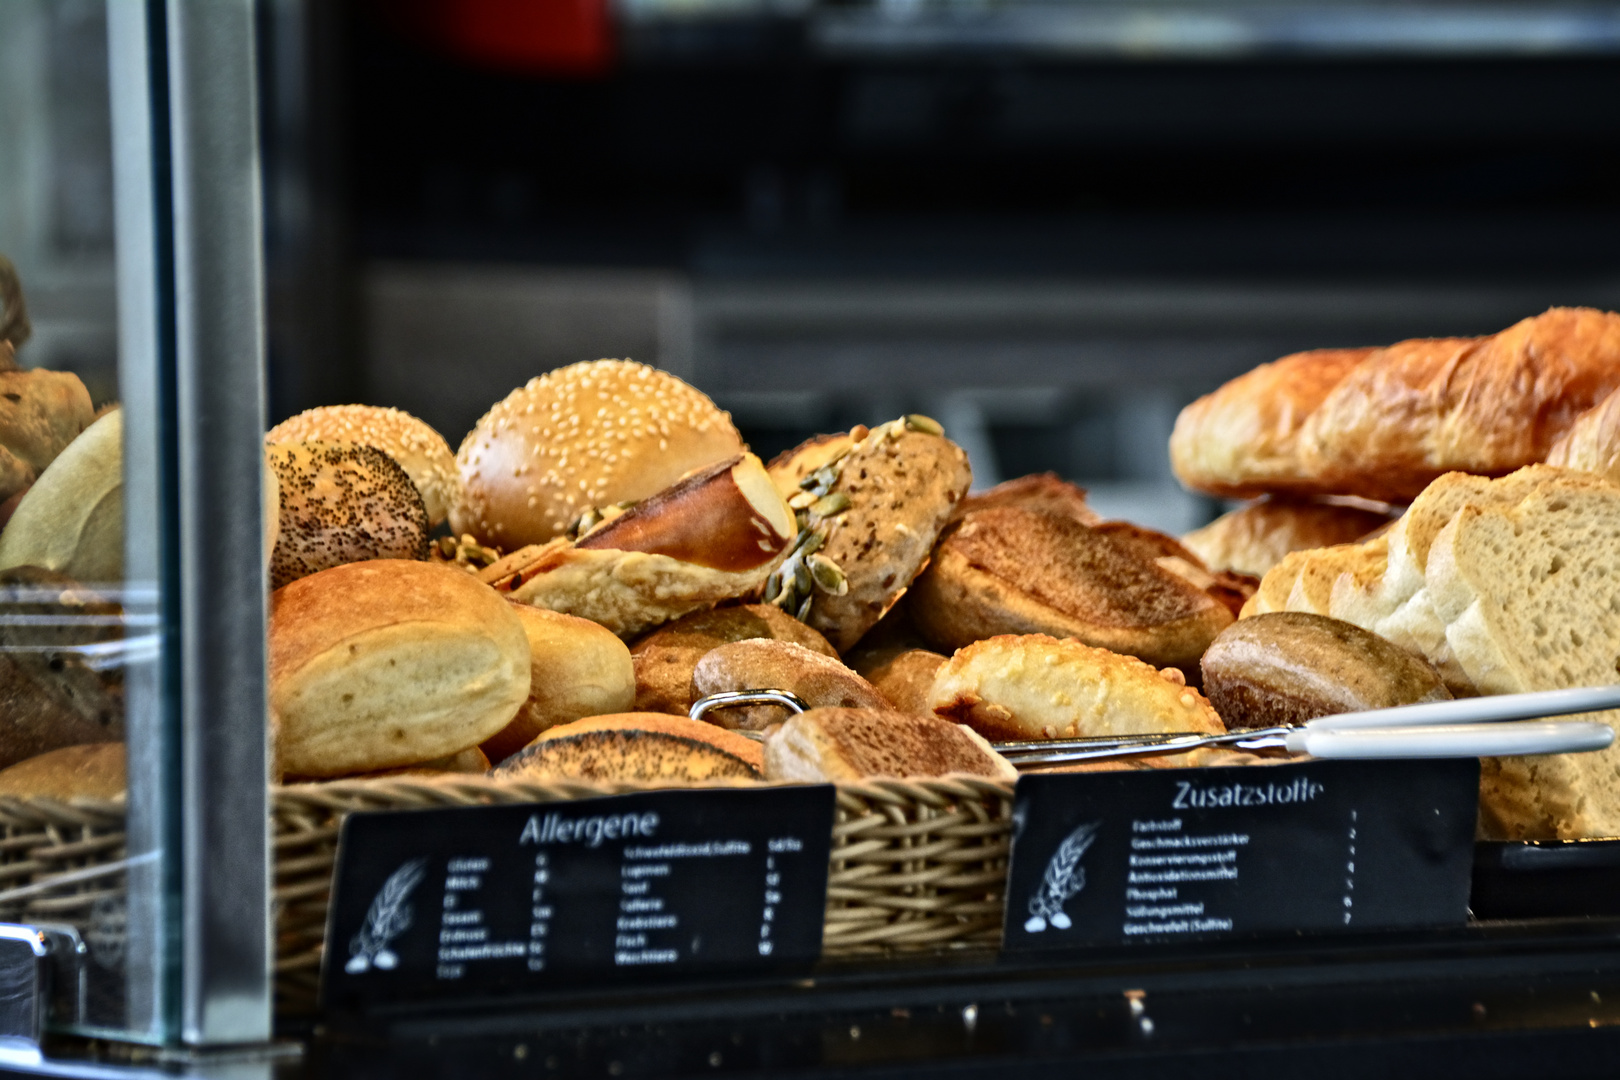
1491	1000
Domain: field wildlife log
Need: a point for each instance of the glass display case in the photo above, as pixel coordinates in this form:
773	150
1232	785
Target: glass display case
816	217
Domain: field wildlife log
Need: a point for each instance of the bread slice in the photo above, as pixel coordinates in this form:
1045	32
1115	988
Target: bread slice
824	745
1530	598
653	747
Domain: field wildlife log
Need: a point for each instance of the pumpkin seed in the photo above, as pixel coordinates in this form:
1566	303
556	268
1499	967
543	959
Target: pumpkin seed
828	505
803	614
802	581
773	586
809	540
925	424
827	575
803	499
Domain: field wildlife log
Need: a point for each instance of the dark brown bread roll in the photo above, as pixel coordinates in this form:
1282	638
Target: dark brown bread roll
778	665
1291	666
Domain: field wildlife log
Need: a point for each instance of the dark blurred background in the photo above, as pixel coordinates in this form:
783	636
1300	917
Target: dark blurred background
1048	224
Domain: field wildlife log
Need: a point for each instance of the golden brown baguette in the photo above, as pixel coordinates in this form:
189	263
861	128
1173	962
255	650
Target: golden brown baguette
1254	538
1592	443
1402	416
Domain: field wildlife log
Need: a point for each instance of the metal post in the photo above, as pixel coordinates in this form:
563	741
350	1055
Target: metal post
220	414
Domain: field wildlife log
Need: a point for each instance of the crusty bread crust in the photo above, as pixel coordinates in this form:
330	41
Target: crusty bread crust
93	771
664	659
834	744
1592	443
1008	570
390	662
1254	538
1393	420
1038	687
820	681
1046	492
637	746
1243	439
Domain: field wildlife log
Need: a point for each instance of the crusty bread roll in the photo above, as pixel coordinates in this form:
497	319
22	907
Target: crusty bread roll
390	662
419	450
713	536
588	435
342	503
1592	443
1008	570
904	678
1046	492
831	744
95	771
1037	687
1254	538
1403	415
469	762
41	412
1243	440
52	699
664	659
871	506
653	747
72	518
1289	667
777	665
576	669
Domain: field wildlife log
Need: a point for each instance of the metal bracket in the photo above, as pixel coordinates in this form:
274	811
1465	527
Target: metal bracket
42	983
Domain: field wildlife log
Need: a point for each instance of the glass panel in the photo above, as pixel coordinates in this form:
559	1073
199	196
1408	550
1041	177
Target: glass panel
80	618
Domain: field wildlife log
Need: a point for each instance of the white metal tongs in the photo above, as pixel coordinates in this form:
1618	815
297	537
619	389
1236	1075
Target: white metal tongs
1506	725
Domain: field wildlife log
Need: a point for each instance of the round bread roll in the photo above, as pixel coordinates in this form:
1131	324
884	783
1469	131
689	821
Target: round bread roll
385	663
871	504
905	678
820	681
342	503
72	519
576	669
1254	538
651	747
829	745
41	412
1037	687
420	451
584	436
95	771
1007	570
469	762
664	659
1288	667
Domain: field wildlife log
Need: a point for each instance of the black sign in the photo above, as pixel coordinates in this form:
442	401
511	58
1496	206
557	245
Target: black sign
1176	854
493	899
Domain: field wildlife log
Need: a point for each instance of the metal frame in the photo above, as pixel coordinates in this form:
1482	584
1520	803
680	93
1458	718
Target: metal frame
192	366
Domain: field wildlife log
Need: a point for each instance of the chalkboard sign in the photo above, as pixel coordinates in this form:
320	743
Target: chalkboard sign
496	899
1167	855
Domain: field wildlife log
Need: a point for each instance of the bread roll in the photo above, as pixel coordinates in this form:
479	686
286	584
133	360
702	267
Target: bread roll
713	536
588	435
1046	492
72	519
94	771
1254	538
576	669
1037	687
650	747
1011	571
777	665
871	505
41	412
51	699
342	503
905	679
1243	440
664	659
419	450
469	762
1289	667
390	662
832	745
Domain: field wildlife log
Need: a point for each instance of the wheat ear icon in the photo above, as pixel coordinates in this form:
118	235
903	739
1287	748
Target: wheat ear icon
389	917
1064	877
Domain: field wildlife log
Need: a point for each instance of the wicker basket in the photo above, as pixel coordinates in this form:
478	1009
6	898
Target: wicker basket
915	864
